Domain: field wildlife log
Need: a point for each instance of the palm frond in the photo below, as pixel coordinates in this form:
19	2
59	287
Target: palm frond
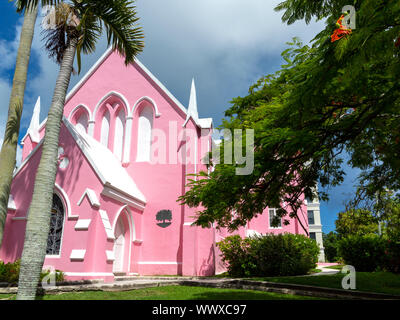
121	23
29	4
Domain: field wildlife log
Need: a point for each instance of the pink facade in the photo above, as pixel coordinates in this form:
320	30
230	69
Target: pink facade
117	187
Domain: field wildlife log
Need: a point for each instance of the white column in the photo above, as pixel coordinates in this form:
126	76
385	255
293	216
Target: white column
91	128
128	137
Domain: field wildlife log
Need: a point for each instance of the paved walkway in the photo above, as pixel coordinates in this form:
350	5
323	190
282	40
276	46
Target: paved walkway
325	270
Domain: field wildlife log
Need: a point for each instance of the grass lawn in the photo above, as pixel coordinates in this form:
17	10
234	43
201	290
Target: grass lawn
171	293
381	282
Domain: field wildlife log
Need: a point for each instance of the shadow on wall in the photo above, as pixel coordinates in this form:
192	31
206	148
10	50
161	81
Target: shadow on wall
207	267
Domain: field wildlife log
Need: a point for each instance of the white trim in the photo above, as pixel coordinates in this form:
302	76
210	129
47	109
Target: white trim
269	220
56	256
76	108
109	190
189	224
127	141
82	224
78	254
107	226
110	255
64	197
82	274
132	231
111	93
93	200
41	125
114	193
65	201
160	262
130	221
89	73
27	158
157	114
162	87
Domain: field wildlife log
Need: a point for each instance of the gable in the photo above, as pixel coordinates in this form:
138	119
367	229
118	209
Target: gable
133	82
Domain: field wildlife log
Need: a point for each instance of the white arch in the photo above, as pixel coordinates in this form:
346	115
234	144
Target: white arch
152	102
60	192
111	93
63	195
82	123
132	230
76	108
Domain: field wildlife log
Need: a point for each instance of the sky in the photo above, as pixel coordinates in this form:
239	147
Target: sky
225	45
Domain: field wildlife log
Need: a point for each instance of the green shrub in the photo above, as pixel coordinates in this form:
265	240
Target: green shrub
9	273
364	252
270	255
392	255
235	254
331	246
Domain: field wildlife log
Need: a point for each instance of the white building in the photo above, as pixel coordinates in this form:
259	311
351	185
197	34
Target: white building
315	225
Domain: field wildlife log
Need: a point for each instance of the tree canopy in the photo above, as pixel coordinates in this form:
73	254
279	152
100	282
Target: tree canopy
329	98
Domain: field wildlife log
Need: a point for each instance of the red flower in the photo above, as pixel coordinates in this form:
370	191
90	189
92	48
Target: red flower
341	31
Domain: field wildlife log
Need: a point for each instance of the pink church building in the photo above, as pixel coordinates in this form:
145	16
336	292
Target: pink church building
126	146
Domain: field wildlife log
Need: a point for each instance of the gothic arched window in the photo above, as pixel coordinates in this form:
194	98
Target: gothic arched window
82	123
105	129
80	118
119	134
56	227
144	134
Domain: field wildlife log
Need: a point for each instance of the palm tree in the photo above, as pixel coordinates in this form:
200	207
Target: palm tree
9	148
78	24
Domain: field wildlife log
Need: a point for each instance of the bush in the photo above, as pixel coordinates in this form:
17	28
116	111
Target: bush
392	255
331	246
9	273
235	253
364	252
270	255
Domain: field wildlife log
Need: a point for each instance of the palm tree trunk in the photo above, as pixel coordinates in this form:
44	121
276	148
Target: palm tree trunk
38	225
9	148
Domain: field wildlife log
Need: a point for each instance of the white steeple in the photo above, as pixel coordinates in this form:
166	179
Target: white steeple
192	109
33	129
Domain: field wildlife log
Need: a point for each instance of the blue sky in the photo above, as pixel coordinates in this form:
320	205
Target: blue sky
225	45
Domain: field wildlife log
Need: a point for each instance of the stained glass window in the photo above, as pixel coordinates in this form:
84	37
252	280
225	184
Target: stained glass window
56	227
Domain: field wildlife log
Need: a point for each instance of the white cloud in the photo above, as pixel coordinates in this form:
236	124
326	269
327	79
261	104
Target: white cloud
226	45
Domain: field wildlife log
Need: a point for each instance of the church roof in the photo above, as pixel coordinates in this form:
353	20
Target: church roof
116	181
106	165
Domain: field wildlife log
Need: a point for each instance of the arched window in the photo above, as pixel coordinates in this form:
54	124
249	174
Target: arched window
144	134
56	227
82	123
80	118
119	134
105	129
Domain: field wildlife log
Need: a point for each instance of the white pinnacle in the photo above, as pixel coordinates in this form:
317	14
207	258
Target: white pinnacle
192	109
33	129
